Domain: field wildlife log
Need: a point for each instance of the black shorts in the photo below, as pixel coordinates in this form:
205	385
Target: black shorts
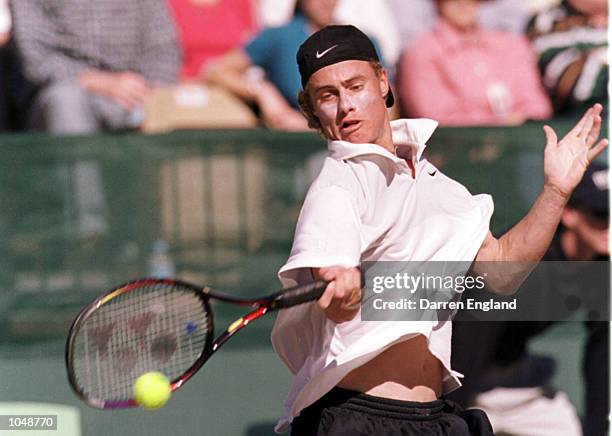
347	413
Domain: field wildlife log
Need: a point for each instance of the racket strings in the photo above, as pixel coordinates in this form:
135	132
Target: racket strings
159	327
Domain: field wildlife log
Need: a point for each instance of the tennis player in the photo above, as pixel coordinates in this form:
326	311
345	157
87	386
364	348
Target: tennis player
377	199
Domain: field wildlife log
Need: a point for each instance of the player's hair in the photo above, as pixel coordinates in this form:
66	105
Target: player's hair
306	105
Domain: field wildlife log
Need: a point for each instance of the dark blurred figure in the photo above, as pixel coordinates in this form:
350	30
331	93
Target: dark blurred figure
93	63
513	386
462	74
571	43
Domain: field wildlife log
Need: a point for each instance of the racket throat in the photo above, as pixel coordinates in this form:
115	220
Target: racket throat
238	325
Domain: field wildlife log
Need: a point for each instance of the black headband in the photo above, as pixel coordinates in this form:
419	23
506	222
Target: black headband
334	44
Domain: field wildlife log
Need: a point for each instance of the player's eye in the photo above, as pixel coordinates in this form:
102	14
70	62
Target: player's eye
357	87
326	96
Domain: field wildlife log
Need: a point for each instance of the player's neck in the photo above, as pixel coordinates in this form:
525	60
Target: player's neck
386	142
385	138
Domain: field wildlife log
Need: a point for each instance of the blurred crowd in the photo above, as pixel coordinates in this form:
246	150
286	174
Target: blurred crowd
75	66
82	66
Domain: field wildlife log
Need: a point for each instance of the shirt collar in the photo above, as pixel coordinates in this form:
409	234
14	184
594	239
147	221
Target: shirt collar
408	134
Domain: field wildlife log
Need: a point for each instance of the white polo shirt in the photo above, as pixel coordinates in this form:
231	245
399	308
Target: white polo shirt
366	206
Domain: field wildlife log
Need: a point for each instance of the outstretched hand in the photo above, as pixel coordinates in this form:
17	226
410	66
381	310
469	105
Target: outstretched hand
565	161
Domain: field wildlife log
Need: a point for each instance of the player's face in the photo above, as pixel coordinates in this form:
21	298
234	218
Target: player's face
348	98
460	13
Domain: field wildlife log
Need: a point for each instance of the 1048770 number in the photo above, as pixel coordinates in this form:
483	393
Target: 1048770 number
28	422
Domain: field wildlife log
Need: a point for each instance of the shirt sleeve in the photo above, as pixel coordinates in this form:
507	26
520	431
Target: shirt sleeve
327	234
425	91
160	60
572	58
261	47
42	61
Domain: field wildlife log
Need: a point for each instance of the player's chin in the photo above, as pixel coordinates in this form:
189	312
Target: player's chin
356	135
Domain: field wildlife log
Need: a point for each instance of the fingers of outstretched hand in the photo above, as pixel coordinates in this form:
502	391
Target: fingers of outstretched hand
598	148
580	125
594	133
587	127
551	136
590	133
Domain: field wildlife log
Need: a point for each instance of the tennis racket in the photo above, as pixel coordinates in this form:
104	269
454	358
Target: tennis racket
155	325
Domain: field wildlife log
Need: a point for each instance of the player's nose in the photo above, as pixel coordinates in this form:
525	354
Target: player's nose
345	103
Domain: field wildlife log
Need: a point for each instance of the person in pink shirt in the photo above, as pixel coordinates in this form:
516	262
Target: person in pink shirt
461	74
209	29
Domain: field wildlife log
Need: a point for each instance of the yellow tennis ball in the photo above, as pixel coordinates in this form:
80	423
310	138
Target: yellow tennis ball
152	390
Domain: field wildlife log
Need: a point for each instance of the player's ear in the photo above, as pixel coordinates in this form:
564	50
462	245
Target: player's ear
307	110
383	81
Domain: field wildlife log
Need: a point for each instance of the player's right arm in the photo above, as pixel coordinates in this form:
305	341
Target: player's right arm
327	244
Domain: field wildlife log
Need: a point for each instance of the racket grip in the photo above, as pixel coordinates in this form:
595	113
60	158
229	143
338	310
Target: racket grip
299	294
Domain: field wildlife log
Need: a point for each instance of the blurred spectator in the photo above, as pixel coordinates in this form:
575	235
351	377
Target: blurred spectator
378	21
275	13
416	17
506	15
375	18
511	15
540	5
514	386
274	86
461	74
208	29
570	41
5	36
93	63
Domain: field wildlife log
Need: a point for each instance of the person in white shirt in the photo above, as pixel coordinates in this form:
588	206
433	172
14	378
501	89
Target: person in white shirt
377	199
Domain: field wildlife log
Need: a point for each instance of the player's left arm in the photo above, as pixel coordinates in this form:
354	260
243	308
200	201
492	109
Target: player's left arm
517	251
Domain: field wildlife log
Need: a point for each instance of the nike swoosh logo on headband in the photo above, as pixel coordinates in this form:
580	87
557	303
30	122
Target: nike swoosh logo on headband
323	53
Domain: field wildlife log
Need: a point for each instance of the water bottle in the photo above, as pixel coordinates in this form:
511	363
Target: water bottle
161	265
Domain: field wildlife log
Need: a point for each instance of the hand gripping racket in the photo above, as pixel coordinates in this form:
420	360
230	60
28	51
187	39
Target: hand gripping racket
155	325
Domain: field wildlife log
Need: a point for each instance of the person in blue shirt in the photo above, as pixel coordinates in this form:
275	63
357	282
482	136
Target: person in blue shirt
264	73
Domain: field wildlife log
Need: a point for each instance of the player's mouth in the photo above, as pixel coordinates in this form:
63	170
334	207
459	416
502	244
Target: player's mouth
349	126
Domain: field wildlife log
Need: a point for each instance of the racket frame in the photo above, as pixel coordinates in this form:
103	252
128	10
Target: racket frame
278	300
92	307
